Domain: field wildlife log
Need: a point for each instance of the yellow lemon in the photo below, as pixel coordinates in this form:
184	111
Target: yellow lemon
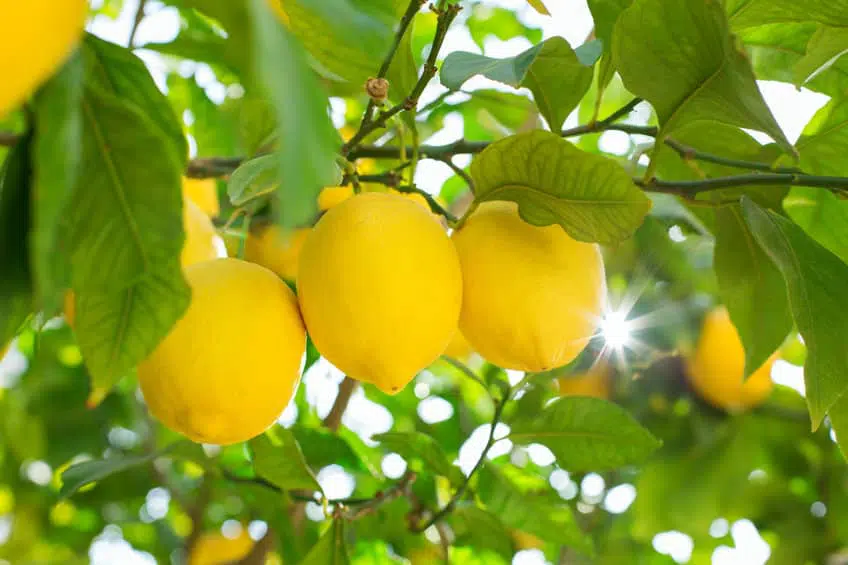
594	382
276	249
532	296
36	37
380	288
231	364
717	368
200	236
204	193
458	348
331	196
213	548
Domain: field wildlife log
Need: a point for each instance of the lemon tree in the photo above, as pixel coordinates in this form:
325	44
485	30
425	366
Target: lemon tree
392	281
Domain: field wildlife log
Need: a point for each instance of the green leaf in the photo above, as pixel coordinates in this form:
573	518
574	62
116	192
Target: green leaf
346	38
554	72
825	140
402	74
539	513
815	281
751	287
279	460
15	286
826	46
126	236
749	13
587	434
308	142
116	70
681	57
253	179
480	529
416	445
80	474
330	548
553	182
605	13
56	162
486	21
822	215
539	6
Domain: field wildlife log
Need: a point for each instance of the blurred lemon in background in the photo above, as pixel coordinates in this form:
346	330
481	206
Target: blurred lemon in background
214	548
532	296
717	368
594	382
331	196
36	37
275	248
200	236
231	364
204	193
380	288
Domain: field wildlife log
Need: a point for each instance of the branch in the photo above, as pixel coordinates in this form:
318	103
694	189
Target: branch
405	21
446	17
460	492
139	15
462	367
334	418
459	171
401	488
694	187
435	207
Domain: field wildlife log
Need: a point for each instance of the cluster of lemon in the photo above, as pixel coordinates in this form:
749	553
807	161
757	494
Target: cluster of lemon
382	289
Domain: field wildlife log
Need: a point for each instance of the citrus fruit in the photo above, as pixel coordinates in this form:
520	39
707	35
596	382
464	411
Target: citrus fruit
331	196
458	348
231	364
276	249
204	193
717	368
213	548
36	37
532	296
200	236
594	382
380	288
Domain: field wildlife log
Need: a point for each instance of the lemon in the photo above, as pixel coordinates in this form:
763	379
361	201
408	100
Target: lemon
331	196
380	288
200	241
213	548
458	348
717	368
204	193
231	364
276	249
35	37
200	245
594	382
532	296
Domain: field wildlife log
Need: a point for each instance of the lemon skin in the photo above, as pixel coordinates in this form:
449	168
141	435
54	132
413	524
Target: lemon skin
213	548
36	37
204	193
276	249
594	382
717	368
230	365
532	296
380	288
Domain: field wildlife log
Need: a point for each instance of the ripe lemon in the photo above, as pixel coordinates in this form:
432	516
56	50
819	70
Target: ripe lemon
332	196
36	37
230	366
276	249
380	288
532	296
458	348
213	548
201	237
594	382
717	368
204	193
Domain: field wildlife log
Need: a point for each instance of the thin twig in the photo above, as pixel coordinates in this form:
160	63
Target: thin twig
465	370
446	16
435	207
139	15
460	492
401	488
334	418
622	112
459	171
693	187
